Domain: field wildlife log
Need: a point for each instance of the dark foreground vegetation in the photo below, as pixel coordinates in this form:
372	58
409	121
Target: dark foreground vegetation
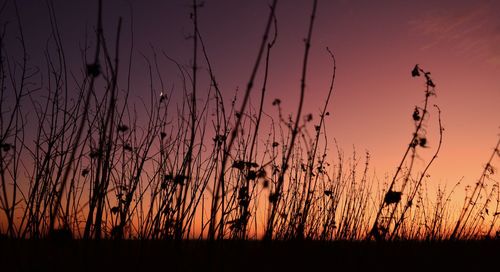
182	179
135	255
92	180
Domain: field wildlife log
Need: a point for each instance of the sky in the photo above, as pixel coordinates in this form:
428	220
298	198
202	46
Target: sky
376	44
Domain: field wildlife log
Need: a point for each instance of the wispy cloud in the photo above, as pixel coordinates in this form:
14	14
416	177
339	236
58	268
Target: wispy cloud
472	30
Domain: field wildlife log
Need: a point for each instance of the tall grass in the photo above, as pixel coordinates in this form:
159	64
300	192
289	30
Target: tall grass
80	158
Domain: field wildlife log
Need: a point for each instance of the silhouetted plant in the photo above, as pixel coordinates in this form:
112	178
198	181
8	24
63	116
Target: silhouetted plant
387	221
104	166
472	215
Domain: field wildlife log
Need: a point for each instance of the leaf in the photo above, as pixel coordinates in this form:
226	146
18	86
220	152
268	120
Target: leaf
252	175
422	142
243	192
252	164
128	147
431	83
219	139
490	169
392	197
273	197
168	177
309	117
416	115
122	128
414	143
242	164
238	165
261	174
416	71
6	147
95	153
179	179
93	69
119	196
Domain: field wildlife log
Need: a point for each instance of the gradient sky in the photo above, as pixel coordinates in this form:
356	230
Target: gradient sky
376	44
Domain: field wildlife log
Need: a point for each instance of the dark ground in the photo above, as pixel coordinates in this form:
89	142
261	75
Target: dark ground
77	255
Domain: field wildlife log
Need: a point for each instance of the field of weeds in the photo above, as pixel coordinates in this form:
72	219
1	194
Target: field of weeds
183	178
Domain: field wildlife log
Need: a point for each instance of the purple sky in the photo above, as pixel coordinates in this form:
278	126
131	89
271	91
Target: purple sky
376	44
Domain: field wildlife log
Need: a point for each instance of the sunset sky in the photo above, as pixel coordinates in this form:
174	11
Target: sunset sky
376	44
